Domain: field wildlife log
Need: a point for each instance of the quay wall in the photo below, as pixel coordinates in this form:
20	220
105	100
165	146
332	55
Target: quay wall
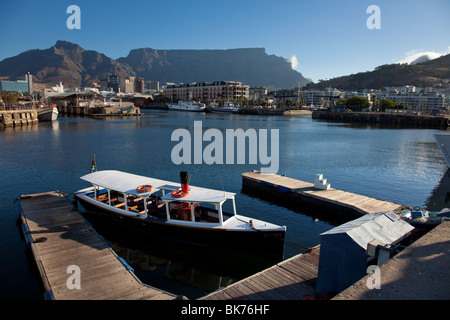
275	112
251	111
100	111
155	106
403	120
12	118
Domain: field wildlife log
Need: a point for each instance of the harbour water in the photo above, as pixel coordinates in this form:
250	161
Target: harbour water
394	164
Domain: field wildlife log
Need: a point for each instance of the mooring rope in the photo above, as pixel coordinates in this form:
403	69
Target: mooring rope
307	249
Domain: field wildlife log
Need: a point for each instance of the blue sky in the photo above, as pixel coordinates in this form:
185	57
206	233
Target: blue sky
328	38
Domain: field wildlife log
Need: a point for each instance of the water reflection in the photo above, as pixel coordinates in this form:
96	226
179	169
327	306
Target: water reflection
177	267
440	196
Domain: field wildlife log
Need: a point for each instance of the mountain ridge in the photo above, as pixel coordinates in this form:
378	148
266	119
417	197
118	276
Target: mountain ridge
74	66
65	61
420	74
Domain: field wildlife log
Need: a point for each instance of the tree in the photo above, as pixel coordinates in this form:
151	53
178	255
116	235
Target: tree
388	104
9	97
356	103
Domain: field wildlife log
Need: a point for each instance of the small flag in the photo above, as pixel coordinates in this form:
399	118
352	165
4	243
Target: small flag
93	165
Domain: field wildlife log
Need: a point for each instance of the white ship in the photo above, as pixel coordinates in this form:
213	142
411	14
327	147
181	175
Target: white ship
183	105
443	141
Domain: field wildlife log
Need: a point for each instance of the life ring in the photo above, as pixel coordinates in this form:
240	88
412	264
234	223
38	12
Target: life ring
180	193
144	188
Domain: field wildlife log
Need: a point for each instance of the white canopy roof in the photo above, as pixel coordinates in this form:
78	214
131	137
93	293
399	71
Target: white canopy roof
197	194
127	183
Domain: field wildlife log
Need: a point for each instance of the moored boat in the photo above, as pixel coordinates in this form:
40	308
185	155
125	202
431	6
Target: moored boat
227	108
424	219
196	215
183	105
47	112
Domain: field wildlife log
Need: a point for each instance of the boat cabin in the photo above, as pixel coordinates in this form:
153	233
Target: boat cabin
144	197
201	205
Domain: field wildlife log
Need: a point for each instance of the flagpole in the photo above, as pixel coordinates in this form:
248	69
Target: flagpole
93	165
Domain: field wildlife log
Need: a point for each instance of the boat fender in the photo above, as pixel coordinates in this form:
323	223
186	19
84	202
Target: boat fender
180	193
144	188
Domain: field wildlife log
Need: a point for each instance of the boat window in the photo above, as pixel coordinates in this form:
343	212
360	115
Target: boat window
180	210
227	209
207	212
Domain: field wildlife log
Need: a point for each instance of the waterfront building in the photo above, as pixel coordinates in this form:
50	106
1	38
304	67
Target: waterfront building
139	85
418	101
52	91
325	97
113	82
19	85
152	86
257	93
78	99
207	91
127	85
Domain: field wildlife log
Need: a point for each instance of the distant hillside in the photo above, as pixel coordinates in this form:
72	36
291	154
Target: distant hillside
74	66
66	62
250	66
392	75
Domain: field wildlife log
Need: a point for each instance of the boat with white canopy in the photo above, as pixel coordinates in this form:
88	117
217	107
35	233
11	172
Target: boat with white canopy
177	210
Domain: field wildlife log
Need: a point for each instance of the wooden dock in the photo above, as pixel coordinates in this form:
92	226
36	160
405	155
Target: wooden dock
291	279
62	241
300	192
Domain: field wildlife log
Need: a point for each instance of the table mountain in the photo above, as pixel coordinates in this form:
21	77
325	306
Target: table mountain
75	66
251	66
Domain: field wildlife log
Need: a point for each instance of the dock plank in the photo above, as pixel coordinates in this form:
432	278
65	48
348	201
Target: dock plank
290	279
60	237
332	199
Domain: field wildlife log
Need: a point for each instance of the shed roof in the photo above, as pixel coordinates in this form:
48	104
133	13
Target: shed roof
384	226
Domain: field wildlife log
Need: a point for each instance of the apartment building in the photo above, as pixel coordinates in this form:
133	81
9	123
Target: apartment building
207	91
418	101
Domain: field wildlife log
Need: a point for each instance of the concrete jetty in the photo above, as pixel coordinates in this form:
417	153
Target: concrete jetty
18	117
382	118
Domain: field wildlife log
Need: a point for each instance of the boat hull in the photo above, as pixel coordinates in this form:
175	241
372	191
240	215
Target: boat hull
267	244
226	110
47	114
191	108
